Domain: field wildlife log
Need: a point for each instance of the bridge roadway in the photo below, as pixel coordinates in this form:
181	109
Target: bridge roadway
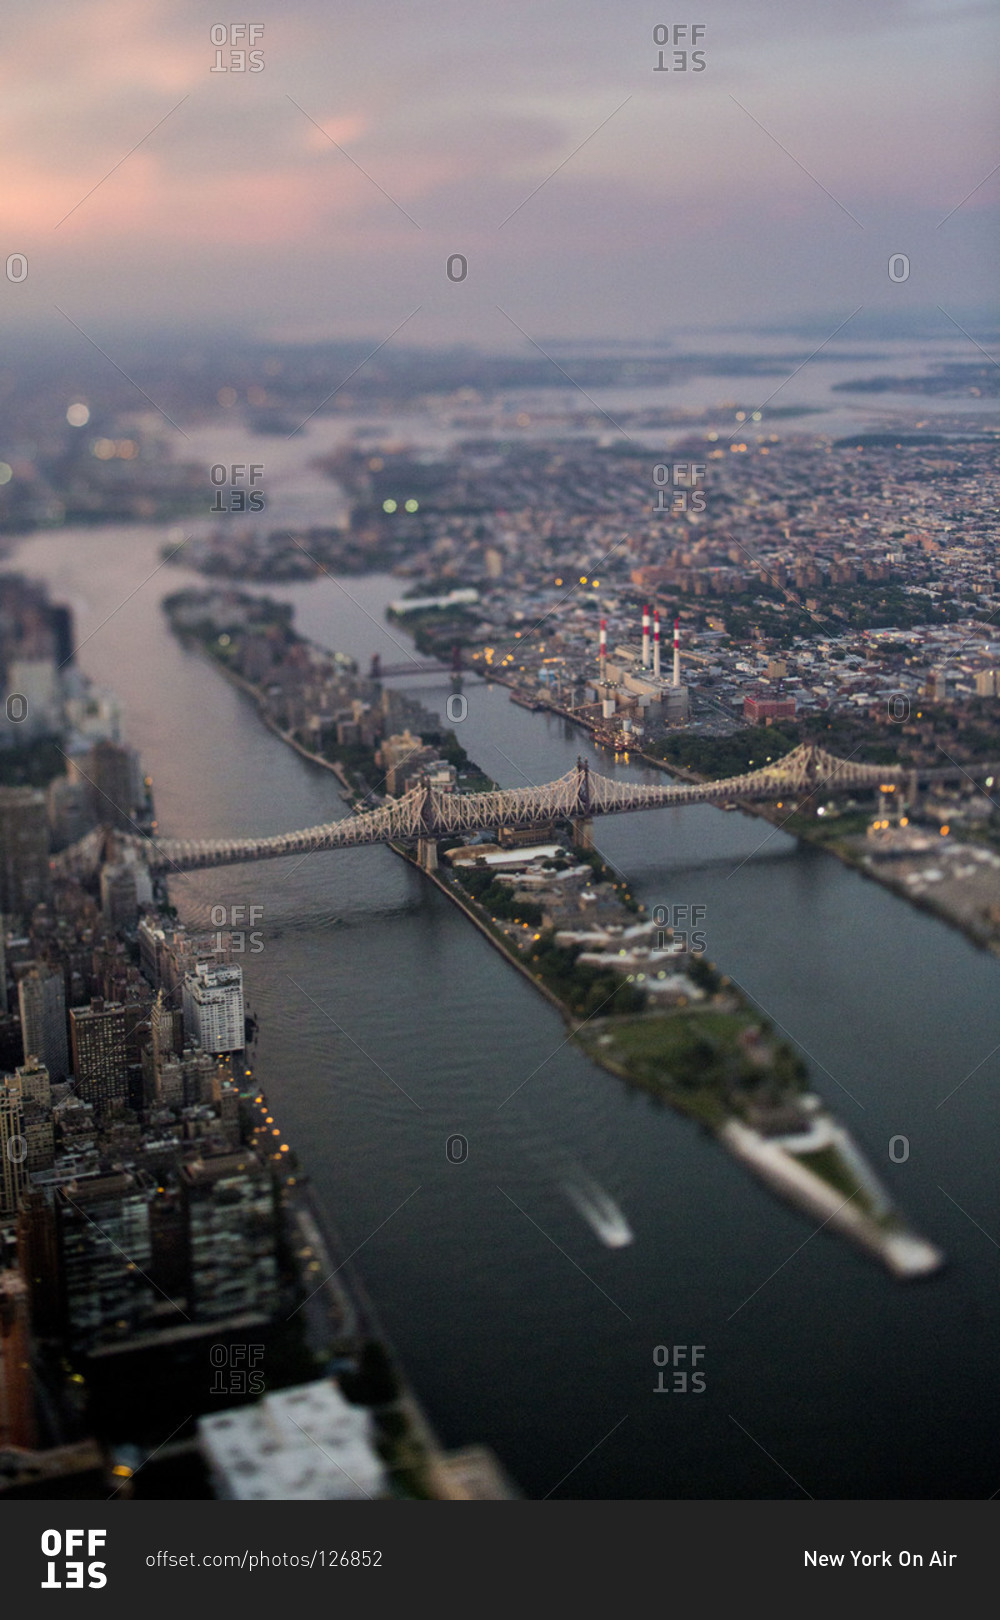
425	814
381	672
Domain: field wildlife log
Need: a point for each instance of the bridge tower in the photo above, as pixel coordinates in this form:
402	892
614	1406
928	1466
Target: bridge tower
582	823
427	854
375	673
807	805
427	849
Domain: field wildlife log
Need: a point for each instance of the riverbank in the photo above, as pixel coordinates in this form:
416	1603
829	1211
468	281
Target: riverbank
250	691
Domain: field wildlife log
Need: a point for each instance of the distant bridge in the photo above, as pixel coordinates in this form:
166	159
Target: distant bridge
379	671
426	814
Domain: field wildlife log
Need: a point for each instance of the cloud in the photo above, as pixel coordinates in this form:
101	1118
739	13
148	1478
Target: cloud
458	120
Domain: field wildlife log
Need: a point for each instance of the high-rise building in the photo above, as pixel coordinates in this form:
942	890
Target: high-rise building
11	1050
24	850
168	954
227	1100
111	773
38	1258
103	1229
42	997
3	967
69	809
39	1137
166	1029
38	683
165	1044
397	755
232	1236
76	1128
182	1082
17	1401
213	1008
33	1081
13	1153
100	1061
119	900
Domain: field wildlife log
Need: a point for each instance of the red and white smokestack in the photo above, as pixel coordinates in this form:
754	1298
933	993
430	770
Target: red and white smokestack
656	642
677	652
604	648
645	638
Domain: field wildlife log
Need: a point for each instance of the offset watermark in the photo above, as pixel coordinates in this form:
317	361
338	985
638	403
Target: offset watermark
244	940
16	267
678	52
16	708
241	494
64	1568
245	55
17	1149
680	927
236	1369
679	1369
897	706
679	486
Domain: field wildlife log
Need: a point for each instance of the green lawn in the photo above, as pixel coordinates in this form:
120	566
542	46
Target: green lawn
660	1039
828	1164
688	1058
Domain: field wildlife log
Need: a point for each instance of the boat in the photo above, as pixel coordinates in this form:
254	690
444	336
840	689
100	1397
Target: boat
600	1212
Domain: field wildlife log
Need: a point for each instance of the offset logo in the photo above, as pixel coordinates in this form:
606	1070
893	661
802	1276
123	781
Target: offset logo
66	1570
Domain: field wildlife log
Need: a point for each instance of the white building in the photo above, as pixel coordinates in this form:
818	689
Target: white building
37	681
305	1444
213	1008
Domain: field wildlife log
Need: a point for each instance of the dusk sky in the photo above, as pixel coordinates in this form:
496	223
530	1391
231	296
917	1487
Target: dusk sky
819	139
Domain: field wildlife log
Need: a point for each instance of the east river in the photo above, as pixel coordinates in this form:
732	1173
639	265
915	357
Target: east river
388	1025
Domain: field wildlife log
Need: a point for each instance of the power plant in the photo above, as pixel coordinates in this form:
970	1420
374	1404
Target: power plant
631	687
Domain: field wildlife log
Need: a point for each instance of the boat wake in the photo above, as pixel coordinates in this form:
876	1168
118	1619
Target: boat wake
599	1210
604	1217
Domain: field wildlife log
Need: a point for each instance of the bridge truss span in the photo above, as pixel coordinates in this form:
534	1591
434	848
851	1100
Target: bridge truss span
429	814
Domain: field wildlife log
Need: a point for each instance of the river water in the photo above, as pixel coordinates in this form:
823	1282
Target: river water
388	1025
